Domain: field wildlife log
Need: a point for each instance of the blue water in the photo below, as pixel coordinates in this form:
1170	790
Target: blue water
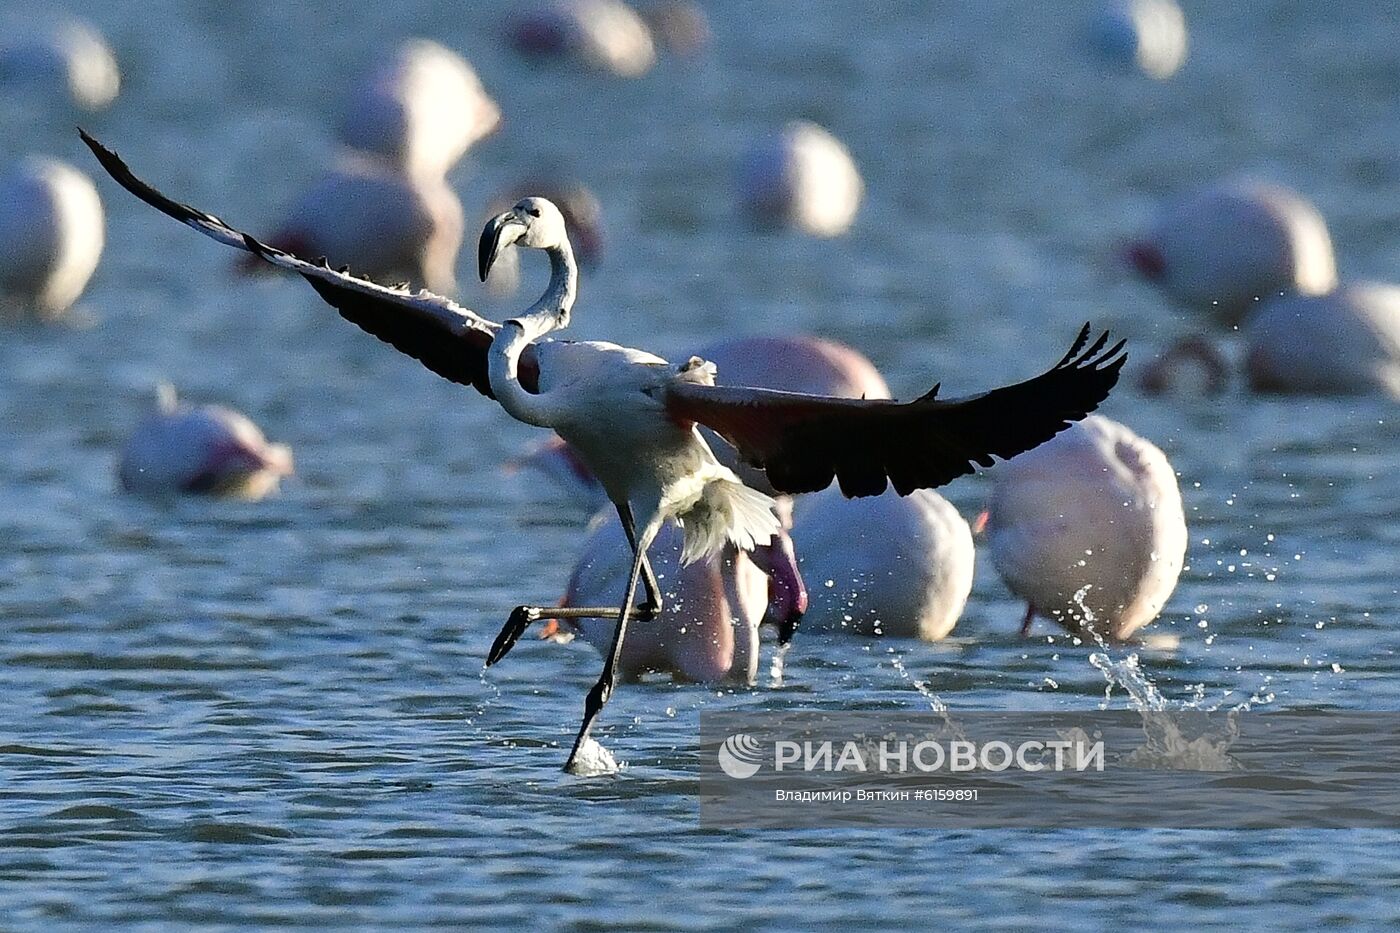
235	716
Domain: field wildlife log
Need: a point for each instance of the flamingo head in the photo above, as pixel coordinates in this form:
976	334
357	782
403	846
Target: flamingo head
532	222
1146	257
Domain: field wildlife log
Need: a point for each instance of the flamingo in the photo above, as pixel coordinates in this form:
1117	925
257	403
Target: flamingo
1089	529
801	177
394	226
708	628
51	234
1149	35
420	109
680	26
632	416
891	565
1344	342
606	35
1223	249
68	55
789	363
201	449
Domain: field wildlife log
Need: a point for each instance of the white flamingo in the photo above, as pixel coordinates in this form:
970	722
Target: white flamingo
1344	342
606	35
801	177
1089	530
632	416
888	565
378	221
708	629
419	109
205	449
64	56
51	234
1147	35
1224	249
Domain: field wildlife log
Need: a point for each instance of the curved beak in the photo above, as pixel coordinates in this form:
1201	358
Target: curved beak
500	231
787	593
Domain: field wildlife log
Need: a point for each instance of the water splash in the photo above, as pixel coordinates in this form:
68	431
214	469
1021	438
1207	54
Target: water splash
1128	674
935	701
1173	739
593	760
777	665
1169	746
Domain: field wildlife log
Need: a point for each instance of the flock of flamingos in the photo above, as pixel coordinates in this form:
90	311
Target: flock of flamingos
723	481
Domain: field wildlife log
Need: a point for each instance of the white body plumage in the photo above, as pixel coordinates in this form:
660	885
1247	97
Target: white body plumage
201	449
65	58
1228	247
1344	342
606	35
887	565
51	234
801	177
1146	35
708	630
386	225
419	109
1089	528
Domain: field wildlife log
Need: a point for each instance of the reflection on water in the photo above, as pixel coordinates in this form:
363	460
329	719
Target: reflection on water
252	714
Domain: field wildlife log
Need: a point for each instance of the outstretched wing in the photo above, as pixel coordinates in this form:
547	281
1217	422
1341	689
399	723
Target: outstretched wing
803	441
441	334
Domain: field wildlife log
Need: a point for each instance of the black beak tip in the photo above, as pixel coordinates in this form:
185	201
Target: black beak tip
485	256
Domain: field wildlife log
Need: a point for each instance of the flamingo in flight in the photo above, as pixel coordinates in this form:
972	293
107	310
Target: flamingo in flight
633	417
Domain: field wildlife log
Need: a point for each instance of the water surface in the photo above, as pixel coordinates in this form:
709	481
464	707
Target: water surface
243	715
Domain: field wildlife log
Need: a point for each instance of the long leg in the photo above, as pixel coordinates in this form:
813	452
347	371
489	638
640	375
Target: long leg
522	617
651	608
603	689
1028	620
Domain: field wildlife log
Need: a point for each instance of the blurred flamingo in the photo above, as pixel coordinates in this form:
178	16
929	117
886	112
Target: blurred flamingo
60	57
606	35
383	224
800	177
1223	249
205	449
419	109
1089	529
1344	342
51	235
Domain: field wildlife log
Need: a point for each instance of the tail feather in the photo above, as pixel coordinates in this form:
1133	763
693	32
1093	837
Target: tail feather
728	513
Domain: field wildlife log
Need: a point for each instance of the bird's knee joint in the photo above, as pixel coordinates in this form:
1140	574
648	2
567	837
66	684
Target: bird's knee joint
598	696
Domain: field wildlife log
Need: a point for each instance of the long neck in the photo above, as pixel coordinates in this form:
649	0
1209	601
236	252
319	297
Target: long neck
549	313
559	294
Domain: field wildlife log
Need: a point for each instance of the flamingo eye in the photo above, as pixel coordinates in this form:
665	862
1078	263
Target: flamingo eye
533	212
